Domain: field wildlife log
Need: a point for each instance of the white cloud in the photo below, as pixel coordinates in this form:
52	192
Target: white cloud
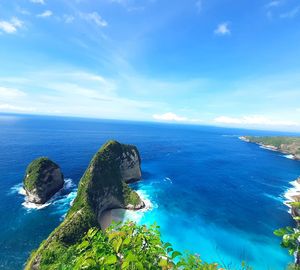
95	18
13	108
223	29
38	2
75	92
11	26
6	92
227	120
254	120
172	117
169	117
291	14
45	14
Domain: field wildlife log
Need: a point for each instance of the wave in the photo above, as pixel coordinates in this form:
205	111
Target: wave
280	199
17	189
292	193
29	205
149	205
63	199
167	179
266	147
123	215
137	215
289	156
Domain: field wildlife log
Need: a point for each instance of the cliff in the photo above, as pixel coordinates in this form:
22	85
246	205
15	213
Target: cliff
101	187
284	144
42	180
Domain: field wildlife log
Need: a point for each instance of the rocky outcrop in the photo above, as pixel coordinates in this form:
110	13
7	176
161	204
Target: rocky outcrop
130	165
284	144
42	180
102	187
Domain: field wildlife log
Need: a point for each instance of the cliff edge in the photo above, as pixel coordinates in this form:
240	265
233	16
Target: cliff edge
102	187
284	144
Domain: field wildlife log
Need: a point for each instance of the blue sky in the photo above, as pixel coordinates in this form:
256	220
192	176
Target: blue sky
217	62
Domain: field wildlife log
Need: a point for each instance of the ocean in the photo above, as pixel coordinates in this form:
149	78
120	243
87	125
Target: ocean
210	193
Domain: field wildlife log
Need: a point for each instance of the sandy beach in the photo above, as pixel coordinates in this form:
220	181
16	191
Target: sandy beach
120	215
109	216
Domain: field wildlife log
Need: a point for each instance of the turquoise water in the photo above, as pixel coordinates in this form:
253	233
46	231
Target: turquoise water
210	192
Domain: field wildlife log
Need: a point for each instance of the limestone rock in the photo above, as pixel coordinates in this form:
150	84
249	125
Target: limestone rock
42	180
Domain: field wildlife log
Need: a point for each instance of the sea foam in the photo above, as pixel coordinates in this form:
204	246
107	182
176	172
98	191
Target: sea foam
62	199
289	156
137	215
17	189
291	193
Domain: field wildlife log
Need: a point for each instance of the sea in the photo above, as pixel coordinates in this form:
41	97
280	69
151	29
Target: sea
210	192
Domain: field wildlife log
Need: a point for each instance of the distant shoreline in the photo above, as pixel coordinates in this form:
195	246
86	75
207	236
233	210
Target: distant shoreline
292	194
270	147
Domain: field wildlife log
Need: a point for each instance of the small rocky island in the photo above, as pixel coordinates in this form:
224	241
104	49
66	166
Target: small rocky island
103	186
42	180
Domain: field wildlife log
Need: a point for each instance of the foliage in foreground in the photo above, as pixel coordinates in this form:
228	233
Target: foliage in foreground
126	246
290	240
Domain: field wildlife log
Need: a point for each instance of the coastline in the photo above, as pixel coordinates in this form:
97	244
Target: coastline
271	148
123	215
292	194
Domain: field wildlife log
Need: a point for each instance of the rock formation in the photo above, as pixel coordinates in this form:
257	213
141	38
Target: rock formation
42	180
130	165
102	187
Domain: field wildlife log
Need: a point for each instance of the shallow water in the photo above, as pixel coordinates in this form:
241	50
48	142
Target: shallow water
211	193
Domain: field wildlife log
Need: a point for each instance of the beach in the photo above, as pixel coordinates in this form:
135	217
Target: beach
122	215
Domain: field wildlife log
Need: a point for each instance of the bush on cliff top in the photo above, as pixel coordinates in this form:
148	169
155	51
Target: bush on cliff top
277	141
34	170
126	246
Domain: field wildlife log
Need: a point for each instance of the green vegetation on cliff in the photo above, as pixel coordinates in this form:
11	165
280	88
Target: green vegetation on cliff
126	246
100	188
34	171
79	244
285	144
276	141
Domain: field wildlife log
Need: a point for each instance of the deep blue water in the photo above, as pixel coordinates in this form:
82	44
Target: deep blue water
211	193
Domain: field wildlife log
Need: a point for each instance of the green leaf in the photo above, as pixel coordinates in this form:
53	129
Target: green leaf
131	257
92	232
116	244
163	263
175	254
126	241
280	232
112	259
139	266
166	245
169	249
83	246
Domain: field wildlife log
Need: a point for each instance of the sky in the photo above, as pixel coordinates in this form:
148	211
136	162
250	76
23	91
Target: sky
207	62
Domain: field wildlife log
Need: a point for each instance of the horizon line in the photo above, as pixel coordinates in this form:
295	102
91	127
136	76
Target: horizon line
149	122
